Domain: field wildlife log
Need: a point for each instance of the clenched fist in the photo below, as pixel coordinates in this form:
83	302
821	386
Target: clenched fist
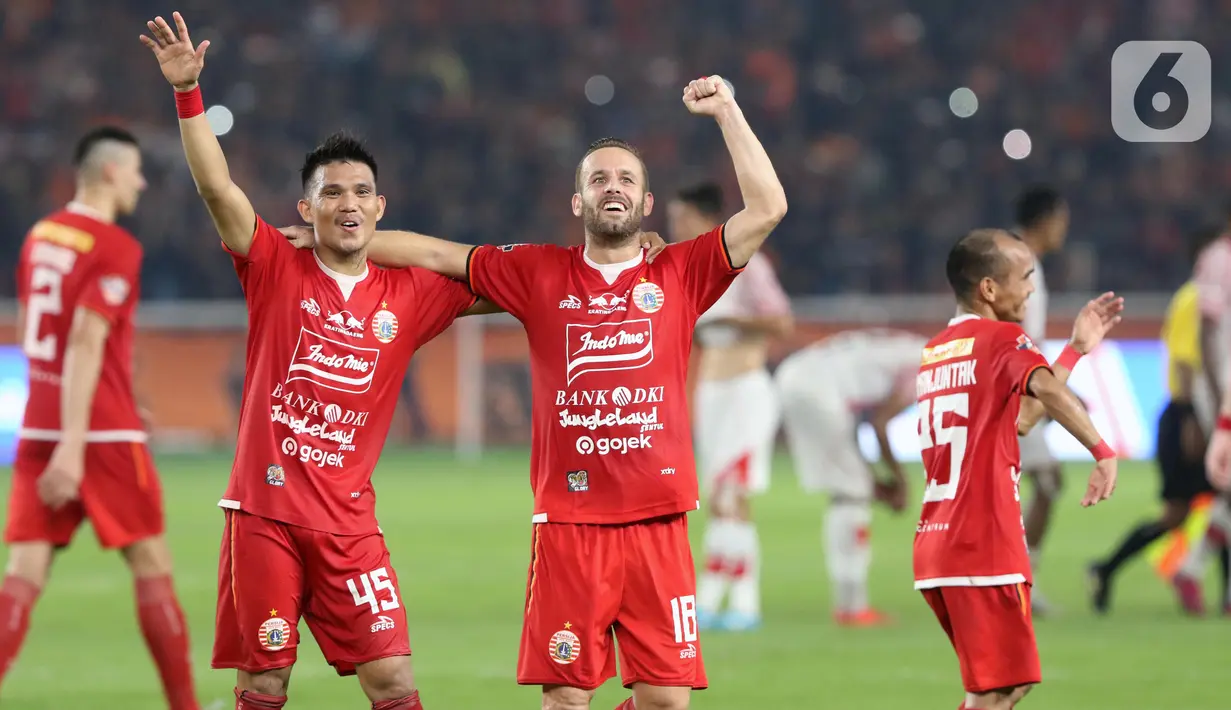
708	95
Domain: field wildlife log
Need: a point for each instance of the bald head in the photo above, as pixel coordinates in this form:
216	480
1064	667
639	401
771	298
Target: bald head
981	254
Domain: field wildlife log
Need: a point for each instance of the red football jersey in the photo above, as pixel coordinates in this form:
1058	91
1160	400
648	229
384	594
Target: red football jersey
326	357
69	260
609	346
970	384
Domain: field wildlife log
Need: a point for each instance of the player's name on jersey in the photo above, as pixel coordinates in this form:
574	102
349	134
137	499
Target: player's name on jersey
954	375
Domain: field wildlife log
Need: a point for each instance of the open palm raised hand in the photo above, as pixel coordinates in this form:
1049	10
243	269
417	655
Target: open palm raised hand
181	64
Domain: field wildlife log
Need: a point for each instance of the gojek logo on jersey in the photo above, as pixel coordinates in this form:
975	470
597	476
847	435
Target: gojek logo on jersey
332	364
306	453
608	346
613	445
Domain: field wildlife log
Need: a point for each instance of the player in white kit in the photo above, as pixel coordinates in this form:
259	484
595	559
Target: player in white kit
1212	275
1042	218
735	417
826	390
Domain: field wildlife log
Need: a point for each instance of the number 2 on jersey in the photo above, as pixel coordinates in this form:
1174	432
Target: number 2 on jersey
45	299
373	582
933	432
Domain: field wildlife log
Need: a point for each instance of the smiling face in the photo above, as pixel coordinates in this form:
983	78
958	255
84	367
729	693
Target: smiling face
342	205
611	198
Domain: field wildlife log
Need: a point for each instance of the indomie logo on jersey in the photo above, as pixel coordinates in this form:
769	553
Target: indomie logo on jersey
608	346
329	363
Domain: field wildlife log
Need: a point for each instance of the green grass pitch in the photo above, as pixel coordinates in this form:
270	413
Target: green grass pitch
459	535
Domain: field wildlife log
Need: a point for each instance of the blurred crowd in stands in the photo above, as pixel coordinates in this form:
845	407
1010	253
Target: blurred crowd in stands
479	109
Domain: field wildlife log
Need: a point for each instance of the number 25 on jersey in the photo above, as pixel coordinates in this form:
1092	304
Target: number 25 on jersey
934	433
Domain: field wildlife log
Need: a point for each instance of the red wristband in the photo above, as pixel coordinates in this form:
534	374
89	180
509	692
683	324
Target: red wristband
189	103
1068	358
1102	451
1224	422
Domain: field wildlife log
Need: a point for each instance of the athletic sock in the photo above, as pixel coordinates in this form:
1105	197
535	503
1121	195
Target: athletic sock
408	702
248	700
1136	541
626	705
715	578
848	555
17	597
746	570
166	636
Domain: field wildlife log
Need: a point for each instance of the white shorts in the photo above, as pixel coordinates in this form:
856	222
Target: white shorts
821	433
1035	453
735	422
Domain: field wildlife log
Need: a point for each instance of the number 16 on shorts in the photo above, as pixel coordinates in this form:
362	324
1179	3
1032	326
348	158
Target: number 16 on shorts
1161	92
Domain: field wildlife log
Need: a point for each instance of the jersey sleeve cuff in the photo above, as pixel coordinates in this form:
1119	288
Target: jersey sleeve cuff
726	253
107	314
1025	383
470	272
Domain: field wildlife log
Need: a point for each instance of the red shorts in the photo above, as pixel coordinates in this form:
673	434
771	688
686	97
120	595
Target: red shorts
120	495
590	584
991	630
271	573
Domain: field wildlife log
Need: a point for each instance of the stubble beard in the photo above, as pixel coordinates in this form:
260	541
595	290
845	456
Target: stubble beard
609	234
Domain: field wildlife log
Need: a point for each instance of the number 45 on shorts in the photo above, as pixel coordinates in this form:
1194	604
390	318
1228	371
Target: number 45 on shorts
373	582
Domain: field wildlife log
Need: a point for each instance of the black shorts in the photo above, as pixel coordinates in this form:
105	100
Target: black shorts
1182	479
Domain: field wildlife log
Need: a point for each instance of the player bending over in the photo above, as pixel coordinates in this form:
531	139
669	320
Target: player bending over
1042	222
1181	439
81	450
329	342
612	465
971	561
826	390
736	416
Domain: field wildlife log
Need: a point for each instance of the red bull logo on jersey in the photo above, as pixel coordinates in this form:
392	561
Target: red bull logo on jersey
606	303
608	346
345	323
332	364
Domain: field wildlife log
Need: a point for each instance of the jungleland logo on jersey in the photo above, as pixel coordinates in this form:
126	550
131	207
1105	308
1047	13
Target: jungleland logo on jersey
608	346
332	364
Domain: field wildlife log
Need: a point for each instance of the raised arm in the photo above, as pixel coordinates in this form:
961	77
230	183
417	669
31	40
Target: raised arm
1096	319
764	198
181	65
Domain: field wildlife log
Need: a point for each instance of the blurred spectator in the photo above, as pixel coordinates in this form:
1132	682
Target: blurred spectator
479	109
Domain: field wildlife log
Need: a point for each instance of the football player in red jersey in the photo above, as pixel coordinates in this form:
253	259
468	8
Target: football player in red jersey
981	383
329	342
612	466
81	450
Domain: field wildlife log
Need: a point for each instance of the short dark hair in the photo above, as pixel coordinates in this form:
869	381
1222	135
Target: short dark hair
612	143
87	143
705	197
975	257
1036	204
341	147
